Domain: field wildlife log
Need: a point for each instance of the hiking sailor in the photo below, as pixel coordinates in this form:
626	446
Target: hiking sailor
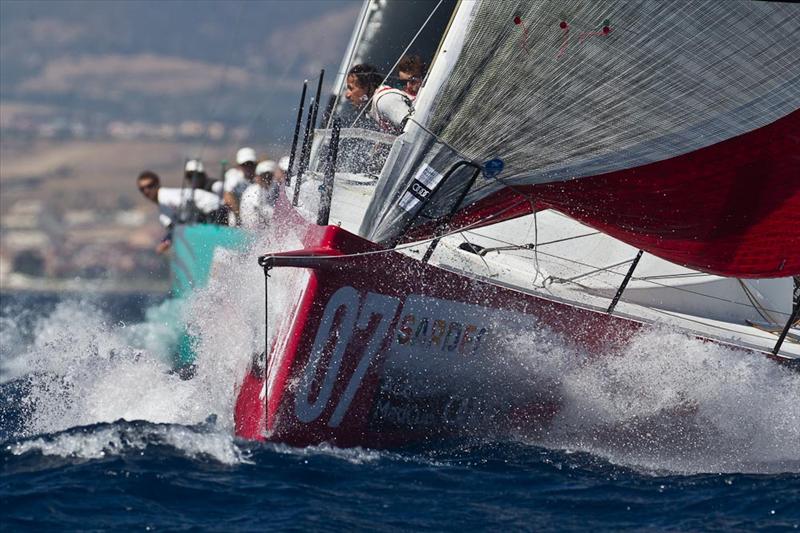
388	107
180	205
255	209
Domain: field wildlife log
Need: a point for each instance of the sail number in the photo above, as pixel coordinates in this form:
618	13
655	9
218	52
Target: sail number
356	315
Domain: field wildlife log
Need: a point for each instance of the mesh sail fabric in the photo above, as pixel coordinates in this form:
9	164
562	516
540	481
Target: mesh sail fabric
432	166
565	91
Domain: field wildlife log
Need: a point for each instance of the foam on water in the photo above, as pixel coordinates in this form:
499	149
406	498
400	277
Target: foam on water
83	370
121	438
667	403
671	402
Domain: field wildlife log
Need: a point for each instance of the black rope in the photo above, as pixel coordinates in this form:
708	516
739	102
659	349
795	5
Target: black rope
266	358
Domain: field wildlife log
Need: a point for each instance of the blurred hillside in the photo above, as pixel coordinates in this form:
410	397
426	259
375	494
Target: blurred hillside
93	92
237	62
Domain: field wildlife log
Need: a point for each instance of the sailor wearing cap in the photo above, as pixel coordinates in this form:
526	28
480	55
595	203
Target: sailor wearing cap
238	178
179	205
247	160
283	169
195	177
258	200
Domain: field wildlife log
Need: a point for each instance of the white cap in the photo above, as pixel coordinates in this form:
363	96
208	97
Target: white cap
234	173
234	179
244	155
283	163
266	166
194	165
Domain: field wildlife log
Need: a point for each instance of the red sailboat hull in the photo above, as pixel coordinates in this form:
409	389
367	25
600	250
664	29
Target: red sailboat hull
382	350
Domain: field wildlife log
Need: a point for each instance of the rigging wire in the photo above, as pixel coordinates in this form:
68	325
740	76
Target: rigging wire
644	279
678	276
403	53
554	279
756	305
402	246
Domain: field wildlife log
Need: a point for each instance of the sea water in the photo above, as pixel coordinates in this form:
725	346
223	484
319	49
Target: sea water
98	433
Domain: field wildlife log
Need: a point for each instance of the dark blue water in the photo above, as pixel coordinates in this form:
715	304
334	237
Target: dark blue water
150	475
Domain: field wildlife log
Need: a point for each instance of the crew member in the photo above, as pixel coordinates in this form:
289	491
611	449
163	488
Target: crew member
259	199
387	106
180	205
238	178
247	161
283	170
411	71
196	178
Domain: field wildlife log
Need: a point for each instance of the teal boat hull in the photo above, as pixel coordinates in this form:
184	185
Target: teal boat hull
193	250
191	261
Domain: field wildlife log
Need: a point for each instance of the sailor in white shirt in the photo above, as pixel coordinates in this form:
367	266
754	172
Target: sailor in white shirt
258	200
235	181
233	186
388	107
179	205
238	178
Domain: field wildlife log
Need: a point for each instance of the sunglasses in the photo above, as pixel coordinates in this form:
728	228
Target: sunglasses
147	187
397	83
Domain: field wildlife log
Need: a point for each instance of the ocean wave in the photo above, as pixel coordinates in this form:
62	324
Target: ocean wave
123	438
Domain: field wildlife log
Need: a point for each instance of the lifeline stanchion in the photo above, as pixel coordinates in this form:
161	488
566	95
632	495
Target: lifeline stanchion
314	115
308	139
326	189
301	168
297	124
624	282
